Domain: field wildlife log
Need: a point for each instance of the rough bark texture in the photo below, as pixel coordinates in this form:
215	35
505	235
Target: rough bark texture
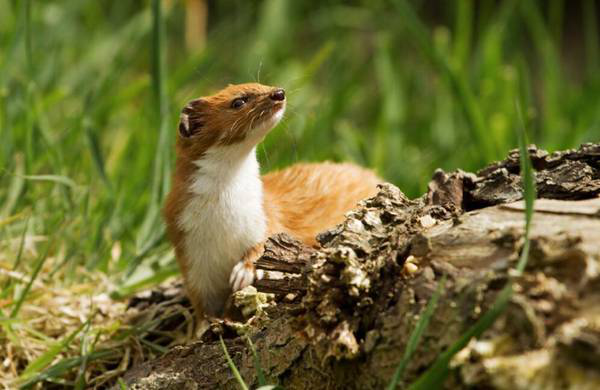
340	316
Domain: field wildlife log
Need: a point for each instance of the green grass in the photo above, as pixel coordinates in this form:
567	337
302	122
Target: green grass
232	367
90	94
416	334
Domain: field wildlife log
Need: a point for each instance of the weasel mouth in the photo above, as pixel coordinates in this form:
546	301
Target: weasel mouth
277	111
271	115
266	117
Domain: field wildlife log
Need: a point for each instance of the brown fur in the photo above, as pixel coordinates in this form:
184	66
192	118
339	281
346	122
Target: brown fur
301	200
306	199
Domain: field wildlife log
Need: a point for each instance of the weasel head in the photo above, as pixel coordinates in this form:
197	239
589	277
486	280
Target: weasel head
237	115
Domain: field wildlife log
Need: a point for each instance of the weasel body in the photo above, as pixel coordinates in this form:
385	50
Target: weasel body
220	211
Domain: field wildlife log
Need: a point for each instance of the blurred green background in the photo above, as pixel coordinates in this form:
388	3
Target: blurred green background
90	93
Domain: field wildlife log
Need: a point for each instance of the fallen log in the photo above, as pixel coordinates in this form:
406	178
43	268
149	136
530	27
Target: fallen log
339	317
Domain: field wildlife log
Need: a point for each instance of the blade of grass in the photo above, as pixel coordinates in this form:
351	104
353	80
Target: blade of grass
435	375
19	256
97	158
260	375
232	366
28	43
30	120
415	336
160	96
151	229
38	267
47	357
528	177
59	369
21	246
11	219
156	278
463	27
121	384
16	187
58	179
85	349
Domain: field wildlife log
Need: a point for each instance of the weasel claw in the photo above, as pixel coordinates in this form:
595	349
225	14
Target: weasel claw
242	276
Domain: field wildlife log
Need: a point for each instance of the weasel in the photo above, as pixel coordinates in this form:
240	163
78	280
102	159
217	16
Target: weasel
220	210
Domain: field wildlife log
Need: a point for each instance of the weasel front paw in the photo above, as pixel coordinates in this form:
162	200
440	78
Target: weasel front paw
243	275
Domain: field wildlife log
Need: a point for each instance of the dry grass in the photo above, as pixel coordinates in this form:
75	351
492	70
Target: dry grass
70	334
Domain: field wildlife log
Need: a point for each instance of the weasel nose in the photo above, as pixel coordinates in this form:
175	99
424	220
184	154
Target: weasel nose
278	95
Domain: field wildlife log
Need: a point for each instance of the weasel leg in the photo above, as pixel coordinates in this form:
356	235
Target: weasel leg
244	272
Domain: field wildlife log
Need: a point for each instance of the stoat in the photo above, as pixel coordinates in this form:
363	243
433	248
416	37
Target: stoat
220	210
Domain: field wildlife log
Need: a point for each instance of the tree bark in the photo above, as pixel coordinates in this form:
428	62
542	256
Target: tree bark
340	316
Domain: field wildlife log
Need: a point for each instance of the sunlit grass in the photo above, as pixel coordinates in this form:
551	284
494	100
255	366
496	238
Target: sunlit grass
90	94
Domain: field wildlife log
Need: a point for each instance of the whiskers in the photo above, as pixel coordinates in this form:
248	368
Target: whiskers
258	72
238	124
233	130
254	117
291	92
291	109
267	161
290	134
291	112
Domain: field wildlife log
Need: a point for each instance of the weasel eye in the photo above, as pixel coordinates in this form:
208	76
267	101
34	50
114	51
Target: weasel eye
239	102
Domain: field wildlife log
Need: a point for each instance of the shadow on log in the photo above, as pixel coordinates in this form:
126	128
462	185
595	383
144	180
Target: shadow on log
340	317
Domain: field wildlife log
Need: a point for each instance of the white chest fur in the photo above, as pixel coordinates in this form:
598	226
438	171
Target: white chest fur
223	219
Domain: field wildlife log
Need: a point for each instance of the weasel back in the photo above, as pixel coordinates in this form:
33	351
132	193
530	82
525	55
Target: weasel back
308	198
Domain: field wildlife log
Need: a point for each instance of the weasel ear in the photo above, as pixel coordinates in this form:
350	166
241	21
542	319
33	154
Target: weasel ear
190	119
184	126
